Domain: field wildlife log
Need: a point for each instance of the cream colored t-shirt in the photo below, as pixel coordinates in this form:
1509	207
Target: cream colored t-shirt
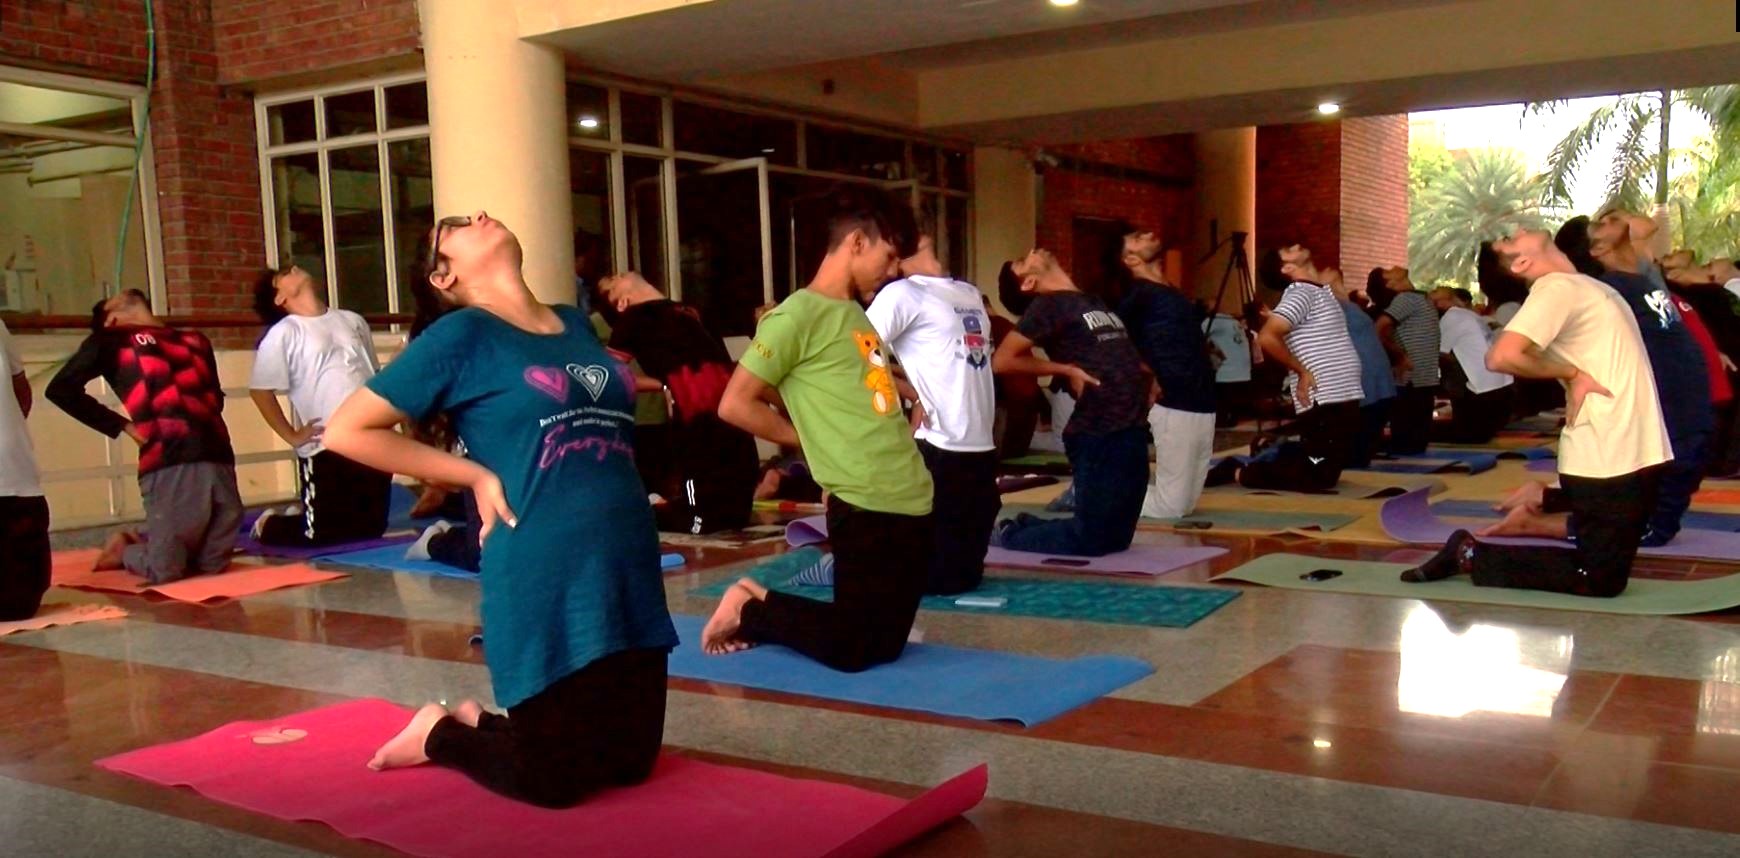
1581	321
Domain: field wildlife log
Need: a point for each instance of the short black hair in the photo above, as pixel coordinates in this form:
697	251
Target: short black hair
265	297
1374	280
99	315
1009	289
1463	295
1492	271
874	212
1269	271
1573	240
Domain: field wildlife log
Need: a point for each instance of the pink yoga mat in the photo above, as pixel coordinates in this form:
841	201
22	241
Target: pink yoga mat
310	767
1410	518
73	569
1142	560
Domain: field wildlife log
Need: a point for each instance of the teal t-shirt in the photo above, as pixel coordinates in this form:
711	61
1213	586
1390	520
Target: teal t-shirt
553	417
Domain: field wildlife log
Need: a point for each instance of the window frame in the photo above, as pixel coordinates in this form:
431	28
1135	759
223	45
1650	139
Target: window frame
321	146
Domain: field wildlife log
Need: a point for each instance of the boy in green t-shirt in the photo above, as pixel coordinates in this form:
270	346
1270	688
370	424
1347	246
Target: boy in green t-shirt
821	354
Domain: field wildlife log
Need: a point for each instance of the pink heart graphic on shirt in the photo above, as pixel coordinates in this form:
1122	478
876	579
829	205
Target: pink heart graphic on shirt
549	381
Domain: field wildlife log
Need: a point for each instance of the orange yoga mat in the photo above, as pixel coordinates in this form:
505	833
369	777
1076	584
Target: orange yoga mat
63	615
1717	496
73	569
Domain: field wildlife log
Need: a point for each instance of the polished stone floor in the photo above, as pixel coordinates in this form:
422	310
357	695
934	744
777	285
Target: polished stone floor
1285	723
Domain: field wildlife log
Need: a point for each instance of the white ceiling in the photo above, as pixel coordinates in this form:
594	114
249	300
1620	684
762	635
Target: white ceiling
737	36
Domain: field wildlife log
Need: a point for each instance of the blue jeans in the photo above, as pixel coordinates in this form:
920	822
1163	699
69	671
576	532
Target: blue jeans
1679	480
1111	481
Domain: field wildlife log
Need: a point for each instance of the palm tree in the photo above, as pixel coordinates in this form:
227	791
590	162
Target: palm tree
1642	120
1705	203
1487	194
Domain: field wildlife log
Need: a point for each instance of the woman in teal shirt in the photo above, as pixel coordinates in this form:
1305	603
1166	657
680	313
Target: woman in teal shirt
573	601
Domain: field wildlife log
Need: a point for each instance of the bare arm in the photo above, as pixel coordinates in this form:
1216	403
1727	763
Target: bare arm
21	389
1386	328
363	430
1015	356
745	405
1273	339
273	413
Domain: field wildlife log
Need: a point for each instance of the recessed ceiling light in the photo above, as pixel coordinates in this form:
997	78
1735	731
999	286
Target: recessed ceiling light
588	122
1321	744
1064	2
1328	108
767	151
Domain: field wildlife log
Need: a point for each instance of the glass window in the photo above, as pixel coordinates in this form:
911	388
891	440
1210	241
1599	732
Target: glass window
839	151
351	113
643	118
407	105
34	104
729	134
588	112
297	202
719	245
359	241
589	180
60	211
924	164
290	123
643	179
413	199
957	169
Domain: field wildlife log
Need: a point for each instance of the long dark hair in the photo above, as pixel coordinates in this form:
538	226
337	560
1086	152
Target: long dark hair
428	305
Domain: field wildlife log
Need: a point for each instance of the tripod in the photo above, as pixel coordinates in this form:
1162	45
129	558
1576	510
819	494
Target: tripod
1237	262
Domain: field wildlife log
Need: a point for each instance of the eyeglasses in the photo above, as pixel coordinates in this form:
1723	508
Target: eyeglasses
441	226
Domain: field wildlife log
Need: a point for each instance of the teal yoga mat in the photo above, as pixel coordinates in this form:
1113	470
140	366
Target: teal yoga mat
1214	520
1062	599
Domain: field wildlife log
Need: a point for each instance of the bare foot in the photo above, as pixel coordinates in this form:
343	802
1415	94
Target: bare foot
406	749
720	635
1522	521
110	557
468	712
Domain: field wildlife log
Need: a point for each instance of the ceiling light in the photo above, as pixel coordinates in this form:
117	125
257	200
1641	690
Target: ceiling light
588	122
1328	108
1064	2
767	151
1321	744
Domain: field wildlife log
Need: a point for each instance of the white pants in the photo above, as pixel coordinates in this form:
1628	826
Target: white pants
1183	444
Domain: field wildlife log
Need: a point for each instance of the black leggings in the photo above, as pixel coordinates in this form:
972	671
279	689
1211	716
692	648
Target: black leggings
1611	515
457	546
881	564
342	501
1411	419
1475	418
25	559
600	726
966	490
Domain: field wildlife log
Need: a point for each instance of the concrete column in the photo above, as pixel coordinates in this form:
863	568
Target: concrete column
1005	214
1226	192
498	135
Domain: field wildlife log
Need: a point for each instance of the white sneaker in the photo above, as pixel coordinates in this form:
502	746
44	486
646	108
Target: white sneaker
419	550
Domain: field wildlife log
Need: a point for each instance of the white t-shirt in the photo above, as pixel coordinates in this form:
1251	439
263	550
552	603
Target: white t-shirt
319	360
1579	320
1463	334
18	475
1228	334
938	329
1320	341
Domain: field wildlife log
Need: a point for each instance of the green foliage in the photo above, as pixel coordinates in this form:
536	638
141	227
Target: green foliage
1641	157
1705	200
1482	195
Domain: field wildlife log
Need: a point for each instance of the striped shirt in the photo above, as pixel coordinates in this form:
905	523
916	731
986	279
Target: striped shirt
1417	330
1320	341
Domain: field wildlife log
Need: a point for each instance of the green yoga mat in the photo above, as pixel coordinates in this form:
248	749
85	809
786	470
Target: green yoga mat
1033	460
1232	520
1087	601
1368	578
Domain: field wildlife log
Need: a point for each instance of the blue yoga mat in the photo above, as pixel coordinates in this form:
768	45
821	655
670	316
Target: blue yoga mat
1692	520
1428	463
1060	599
391	558
943	680
1476	460
1453	451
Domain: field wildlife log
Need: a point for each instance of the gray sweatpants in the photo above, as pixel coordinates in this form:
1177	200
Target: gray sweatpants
193	515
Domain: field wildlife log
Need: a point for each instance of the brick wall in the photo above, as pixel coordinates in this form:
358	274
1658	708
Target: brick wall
1374	193
1299	188
262	39
1068	194
91	38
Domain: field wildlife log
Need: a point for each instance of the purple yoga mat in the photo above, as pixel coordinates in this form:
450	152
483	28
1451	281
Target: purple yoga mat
1410	518
1546	466
246	544
1143	560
